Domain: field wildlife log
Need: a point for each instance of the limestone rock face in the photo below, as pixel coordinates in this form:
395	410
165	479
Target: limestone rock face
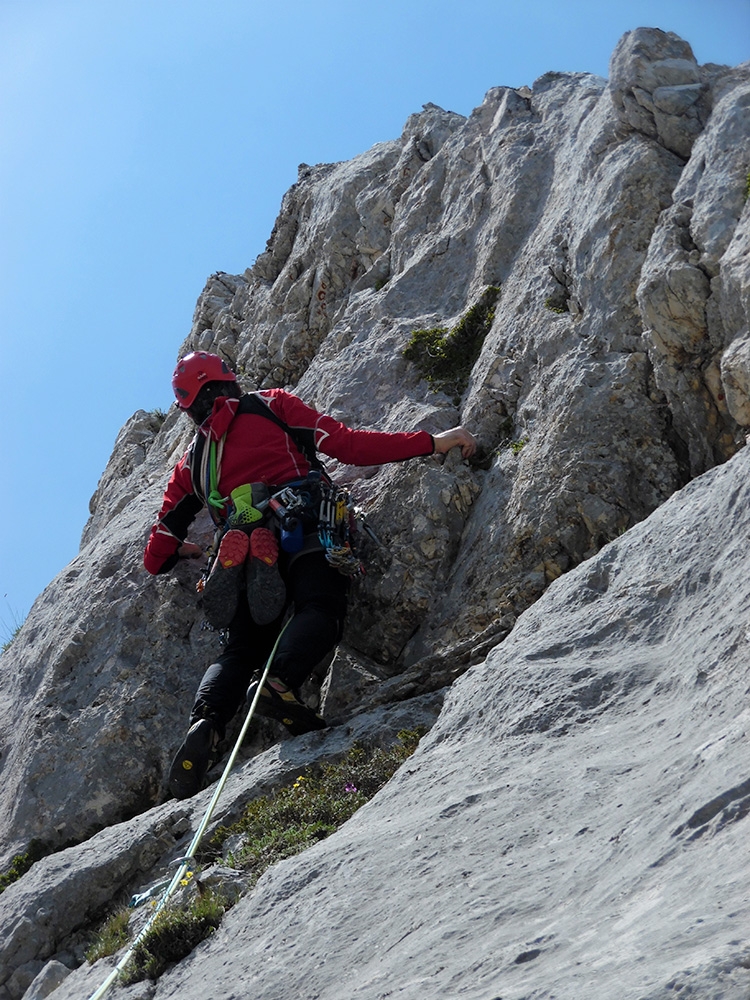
612	369
694	313
573	825
659	89
577	817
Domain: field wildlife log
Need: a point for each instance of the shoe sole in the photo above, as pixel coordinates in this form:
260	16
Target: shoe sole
189	766
266	591
298	719
233	549
221	593
263	546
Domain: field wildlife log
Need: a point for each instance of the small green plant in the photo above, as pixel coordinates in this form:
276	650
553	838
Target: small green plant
747	186
7	642
446	357
557	304
112	936
317	803
175	933
273	827
21	864
517	446
9	628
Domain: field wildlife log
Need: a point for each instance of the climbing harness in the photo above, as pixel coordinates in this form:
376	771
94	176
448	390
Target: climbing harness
319	505
186	861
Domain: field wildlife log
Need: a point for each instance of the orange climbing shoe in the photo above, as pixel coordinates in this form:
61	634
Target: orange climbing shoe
222	589
233	549
263	546
266	591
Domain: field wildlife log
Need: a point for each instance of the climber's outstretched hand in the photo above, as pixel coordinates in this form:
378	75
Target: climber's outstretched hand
455	437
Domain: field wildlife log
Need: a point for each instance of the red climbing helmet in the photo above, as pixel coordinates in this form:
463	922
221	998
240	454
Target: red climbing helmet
194	371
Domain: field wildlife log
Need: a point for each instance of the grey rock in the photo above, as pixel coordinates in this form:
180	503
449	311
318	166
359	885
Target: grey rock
689	291
77	885
80	885
657	88
735	378
576	817
22	978
51	976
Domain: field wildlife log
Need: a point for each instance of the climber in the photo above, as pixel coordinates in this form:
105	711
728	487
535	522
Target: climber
252	454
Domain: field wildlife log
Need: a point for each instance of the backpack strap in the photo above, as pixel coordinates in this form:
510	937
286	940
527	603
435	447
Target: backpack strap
303	437
199	459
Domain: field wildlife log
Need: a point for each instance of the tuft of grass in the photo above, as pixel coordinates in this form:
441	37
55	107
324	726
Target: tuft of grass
557	304
21	864
175	933
273	827
445	357
747	186
288	821
9	628
112	936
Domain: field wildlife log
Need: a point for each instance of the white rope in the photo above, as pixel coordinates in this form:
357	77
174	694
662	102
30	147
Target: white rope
185	865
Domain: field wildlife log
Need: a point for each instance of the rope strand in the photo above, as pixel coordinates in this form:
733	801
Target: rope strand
180	873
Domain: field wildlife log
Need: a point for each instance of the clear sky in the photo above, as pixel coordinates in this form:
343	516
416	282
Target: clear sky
147	144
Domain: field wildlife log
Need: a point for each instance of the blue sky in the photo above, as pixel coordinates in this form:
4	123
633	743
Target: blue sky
145	145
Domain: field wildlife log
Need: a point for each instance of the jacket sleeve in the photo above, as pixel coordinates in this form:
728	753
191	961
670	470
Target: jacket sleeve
179	508
353	447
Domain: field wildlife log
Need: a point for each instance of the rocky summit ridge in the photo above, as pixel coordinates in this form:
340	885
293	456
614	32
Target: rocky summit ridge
567	615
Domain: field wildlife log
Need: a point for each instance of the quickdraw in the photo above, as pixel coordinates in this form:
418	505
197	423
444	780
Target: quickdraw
337	525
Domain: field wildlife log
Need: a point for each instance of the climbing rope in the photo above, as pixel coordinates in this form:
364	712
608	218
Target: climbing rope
214	499
185	861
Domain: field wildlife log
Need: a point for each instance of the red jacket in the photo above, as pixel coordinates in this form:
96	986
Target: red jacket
257	450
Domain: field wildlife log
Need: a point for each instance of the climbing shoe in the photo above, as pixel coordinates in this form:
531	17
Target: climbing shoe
222	588
242	503
277	701
266	592
193	759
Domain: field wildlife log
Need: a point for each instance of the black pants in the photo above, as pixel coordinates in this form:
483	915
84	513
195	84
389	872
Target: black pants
318	594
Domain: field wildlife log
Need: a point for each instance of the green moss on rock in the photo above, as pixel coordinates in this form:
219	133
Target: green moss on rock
445	357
